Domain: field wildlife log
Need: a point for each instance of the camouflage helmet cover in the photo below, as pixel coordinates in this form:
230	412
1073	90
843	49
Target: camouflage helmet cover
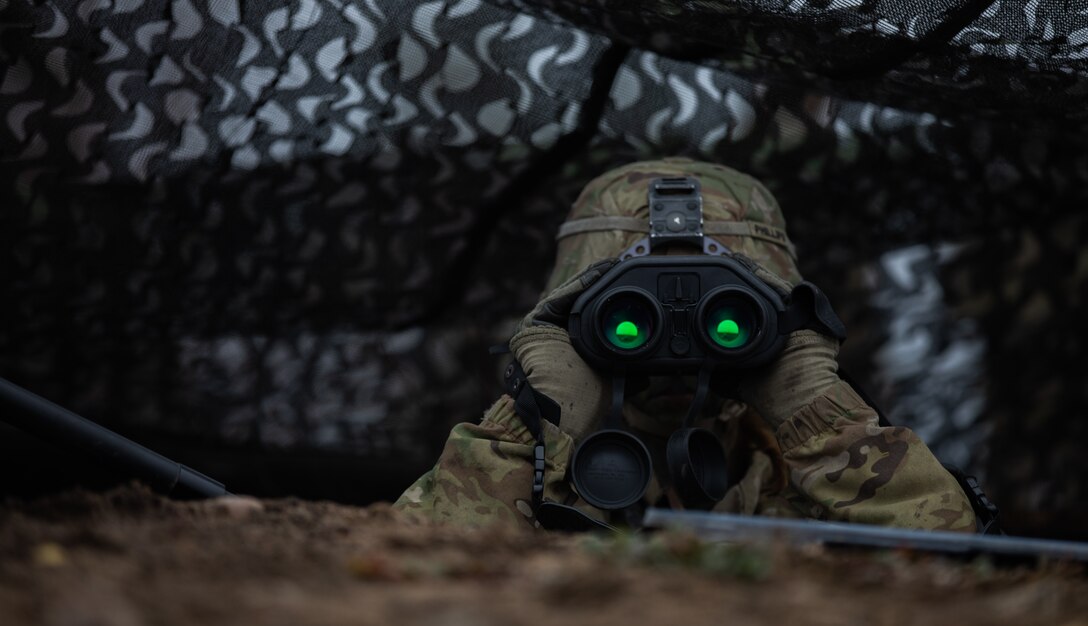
738	212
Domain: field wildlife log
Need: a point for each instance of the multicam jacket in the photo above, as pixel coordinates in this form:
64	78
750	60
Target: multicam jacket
830	461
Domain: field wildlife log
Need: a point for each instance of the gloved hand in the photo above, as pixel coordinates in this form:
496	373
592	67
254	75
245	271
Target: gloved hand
804	371
542	346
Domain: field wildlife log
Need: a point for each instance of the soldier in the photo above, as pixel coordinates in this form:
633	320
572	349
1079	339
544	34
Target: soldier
801	440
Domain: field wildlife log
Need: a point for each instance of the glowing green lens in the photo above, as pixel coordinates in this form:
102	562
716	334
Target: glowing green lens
730	324
627	322
627	331
728	330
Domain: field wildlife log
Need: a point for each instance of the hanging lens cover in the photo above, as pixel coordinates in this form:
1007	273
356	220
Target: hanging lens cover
659	314
611	469
697	467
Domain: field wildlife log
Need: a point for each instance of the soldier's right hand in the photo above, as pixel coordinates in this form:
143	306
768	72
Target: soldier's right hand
542	346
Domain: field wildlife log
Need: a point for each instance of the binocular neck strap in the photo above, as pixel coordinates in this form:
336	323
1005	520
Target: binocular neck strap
700	397
532	407
614	420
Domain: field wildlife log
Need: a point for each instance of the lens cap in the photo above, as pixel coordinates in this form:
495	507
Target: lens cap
698	468
611	469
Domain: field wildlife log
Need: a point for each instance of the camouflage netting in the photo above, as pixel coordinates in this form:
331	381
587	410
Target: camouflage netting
299	227
982	58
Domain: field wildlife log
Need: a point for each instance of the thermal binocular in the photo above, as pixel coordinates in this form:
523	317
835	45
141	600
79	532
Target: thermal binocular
665	315
677	315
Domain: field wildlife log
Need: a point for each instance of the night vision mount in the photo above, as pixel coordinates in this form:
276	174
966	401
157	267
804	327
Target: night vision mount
676	211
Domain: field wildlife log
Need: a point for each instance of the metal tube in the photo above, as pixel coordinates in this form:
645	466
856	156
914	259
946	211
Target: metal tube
728	527
56	425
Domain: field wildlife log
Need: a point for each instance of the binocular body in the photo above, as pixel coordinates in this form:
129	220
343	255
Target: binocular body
667	314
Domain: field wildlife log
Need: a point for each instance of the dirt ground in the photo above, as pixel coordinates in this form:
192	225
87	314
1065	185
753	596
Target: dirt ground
127	558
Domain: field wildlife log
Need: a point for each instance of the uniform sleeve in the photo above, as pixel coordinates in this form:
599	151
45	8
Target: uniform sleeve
484	475
845	467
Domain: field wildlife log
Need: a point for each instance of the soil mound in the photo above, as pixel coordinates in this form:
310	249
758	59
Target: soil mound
128	557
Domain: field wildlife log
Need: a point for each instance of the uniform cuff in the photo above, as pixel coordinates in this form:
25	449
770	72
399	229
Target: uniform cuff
839	401
502	415
557	444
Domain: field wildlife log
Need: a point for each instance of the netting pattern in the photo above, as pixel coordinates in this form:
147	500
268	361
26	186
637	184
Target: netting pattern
301	226
986	57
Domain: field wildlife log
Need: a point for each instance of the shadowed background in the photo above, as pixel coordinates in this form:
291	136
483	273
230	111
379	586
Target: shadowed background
276	242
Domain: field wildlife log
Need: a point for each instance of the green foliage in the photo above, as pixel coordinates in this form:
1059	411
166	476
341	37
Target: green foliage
669	549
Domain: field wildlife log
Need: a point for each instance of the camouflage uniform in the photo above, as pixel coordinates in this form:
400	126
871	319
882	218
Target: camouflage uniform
826	459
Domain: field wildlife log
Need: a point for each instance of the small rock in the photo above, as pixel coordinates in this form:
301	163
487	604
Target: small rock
49	554
238	507
373	567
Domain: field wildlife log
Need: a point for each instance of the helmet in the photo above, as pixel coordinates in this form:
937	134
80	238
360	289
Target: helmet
611	214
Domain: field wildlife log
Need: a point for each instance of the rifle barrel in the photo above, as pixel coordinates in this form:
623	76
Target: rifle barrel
55	424
724	526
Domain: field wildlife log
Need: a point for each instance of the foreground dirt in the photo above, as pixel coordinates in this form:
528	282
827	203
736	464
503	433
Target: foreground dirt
128	558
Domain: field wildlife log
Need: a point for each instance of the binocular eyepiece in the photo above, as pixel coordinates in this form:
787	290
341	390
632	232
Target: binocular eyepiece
631	321
667	314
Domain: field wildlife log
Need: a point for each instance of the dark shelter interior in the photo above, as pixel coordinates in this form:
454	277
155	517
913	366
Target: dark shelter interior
275	242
